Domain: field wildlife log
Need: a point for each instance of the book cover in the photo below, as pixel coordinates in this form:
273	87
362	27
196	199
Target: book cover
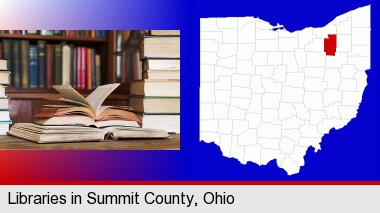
66	64
16	67
93	70
33	66
160	47
79	68
41	45
49	65
83	67
58	64
25	63
74	70
98	70
88	68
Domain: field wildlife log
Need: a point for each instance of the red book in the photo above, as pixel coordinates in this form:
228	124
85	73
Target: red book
49	65
83	68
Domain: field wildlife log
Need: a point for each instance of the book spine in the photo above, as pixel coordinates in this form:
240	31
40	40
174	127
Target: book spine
7	52
25	63
33	66
57	32
83	69
98	34
58	64
93	69
73	70
79	68
98	70
41	63
49	65
66	65
16	63
88	68
74	67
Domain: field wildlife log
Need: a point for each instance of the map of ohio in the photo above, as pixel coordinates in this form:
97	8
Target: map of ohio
269	94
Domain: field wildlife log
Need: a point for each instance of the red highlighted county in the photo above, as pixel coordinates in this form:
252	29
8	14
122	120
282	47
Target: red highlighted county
330	44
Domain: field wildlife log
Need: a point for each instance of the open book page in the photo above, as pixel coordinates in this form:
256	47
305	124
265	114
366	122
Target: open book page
67	101
97	97
70	93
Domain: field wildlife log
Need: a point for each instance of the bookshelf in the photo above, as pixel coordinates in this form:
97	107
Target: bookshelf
24	102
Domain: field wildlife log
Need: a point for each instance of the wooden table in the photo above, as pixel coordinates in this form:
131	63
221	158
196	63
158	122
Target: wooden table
172	143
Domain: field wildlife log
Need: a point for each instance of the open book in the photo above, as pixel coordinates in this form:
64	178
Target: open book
59	134
86	111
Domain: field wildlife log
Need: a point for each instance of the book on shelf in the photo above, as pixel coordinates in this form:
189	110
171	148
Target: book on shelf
16	68
59	134
41	64
66	64
44	64
58	64
25	63
164	32
155	105
72	33
33	68
50	77
47	32
167	122
160	47
161	88
32	32
89	111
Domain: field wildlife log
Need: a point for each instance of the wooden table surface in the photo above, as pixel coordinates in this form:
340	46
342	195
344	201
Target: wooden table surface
172	143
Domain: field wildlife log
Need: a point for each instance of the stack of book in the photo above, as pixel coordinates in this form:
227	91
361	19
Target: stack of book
42	65
82	119
156	98
5	120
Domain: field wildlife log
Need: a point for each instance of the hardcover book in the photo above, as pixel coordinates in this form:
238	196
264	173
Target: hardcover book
59	134
3	64
16	66
86	111
165	32
33	66
160	47
41	48
5	77
25	63
168	88
155	105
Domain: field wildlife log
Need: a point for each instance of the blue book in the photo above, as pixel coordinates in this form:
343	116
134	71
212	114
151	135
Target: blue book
98	34
33	66
41	49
